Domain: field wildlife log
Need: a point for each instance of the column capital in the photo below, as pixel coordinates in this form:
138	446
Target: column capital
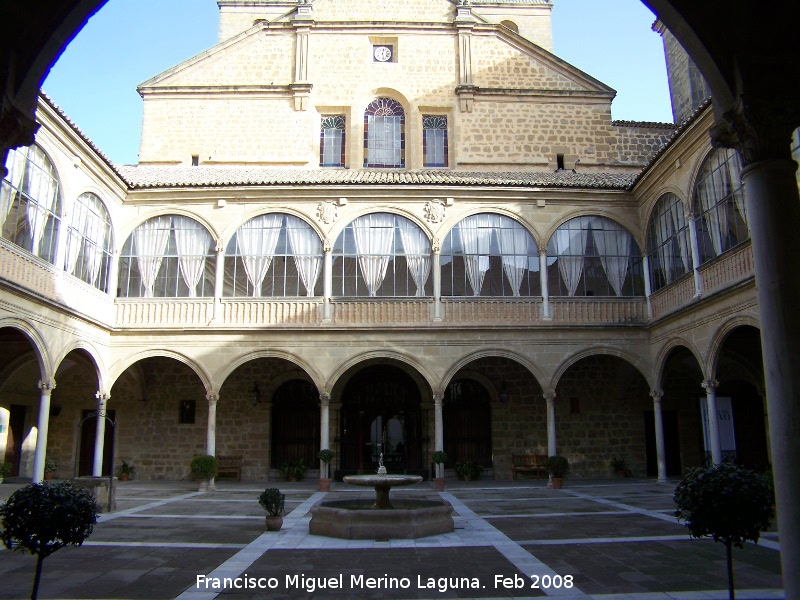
325	398
438	398
220	245
212	398
549	396
46	386
656	395
102	399
710	385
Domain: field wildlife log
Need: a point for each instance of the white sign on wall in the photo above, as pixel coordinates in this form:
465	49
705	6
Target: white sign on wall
727	436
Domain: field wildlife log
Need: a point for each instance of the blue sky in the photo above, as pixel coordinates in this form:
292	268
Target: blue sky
129	41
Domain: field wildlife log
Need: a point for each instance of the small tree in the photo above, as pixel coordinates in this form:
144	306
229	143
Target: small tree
43	517
729	503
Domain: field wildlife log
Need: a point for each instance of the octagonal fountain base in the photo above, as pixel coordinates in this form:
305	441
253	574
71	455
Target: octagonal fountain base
357	520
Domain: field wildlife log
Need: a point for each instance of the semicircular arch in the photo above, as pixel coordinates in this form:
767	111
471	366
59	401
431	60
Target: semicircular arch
668	348
719	337
466	360
119	367
43	357
221	376
380	355
640	365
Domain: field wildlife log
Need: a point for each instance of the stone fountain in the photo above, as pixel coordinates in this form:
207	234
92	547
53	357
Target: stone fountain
357	520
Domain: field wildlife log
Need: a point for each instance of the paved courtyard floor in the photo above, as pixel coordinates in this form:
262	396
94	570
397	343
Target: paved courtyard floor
593	539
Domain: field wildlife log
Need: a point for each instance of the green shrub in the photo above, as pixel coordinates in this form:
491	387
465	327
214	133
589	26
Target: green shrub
557	466
468	470
272	501
439	457
204	468
294	468
44	517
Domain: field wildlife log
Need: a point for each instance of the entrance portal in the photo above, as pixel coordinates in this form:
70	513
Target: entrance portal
381	414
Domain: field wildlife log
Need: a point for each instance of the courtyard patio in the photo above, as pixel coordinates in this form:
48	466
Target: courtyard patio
592	539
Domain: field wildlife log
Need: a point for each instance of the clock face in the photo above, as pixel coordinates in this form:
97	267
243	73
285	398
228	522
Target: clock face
382	53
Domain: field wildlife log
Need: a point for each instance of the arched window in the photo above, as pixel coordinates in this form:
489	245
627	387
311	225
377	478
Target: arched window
384	134
274	255
30	202
669	248
719	202
594	256
490	255
170	256
382	255
89	241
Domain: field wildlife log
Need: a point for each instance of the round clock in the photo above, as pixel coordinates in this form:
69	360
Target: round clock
382	53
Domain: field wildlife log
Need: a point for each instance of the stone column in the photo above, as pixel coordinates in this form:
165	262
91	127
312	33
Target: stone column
327	282
437	280
100	434
211	428
546	315
710	387
438	429
219	280
773	209
698	283
550	398
661	460
40	453
648	290
324	428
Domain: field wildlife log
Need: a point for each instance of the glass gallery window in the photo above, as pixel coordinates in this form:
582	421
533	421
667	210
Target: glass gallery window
30	202
89	241
384	134
594	256
719	202
669	248
434	141
490	255
382	254
273	255
332	141
170	256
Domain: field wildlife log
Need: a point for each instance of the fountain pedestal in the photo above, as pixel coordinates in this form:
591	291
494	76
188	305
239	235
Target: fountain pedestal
382	484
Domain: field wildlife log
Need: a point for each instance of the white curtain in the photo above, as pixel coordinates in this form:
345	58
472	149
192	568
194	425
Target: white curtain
681	231
77	226
307	248
257	240
614	248
418	254
43	191
514	248
571	251
95	232
712	189
475	235
735	173
151	239
15	164
374	237
192	242
663	232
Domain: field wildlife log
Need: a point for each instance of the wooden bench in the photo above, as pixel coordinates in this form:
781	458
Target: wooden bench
229	466
533	464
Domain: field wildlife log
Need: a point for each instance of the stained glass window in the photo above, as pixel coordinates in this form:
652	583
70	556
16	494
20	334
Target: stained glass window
384	134
332	141
434	141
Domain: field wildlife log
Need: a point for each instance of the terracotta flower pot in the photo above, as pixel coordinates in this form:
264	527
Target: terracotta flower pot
274	523
558	482
324	484
438	484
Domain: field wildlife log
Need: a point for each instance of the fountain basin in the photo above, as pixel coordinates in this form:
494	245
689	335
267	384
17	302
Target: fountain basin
357	520
383	484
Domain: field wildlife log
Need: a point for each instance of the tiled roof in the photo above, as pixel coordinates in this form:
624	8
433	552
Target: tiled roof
648	124
150	176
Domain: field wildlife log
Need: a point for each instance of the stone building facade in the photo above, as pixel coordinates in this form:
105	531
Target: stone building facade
383	228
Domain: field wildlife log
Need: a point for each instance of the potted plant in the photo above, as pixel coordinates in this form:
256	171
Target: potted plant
325	456
126	471
468	470
620	467
273	501
558	467
5	469
727	502
204	469
294	470
50	467
439	458
44	517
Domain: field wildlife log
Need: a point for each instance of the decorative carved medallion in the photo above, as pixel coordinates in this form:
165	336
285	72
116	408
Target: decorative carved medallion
327	212
434	211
